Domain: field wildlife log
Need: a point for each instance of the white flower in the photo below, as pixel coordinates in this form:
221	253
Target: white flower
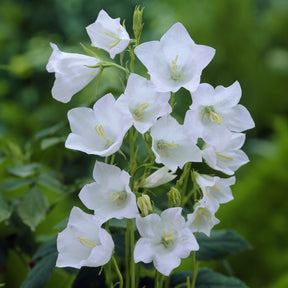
161	176
142	103
83	242
228	158
110	196
171	145
202	219
71	72
108	34
215	190
175	61
100	130
164	240
217	112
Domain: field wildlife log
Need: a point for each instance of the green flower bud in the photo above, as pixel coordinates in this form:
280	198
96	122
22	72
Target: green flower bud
174	197
137	22
144	204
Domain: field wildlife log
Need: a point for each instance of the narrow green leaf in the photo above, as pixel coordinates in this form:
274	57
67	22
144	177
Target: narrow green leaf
50	131
32	207
13	184
24	171
49	142
49	181
48	248
41	272
220	244
206	278
5	209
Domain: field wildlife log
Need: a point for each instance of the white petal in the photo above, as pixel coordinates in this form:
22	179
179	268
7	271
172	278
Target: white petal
165	263
144	250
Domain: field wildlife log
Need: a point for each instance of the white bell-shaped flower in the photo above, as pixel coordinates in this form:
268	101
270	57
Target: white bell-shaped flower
171	145
142	103
110	195
175	61
108	34
159	177
228	158
164	240
83	242
217	113
215	190
71	71
203	218
100	130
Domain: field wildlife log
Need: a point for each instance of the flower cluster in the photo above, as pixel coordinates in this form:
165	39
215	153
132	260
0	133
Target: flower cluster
215	118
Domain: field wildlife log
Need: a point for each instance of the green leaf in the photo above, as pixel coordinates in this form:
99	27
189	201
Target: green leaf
49	181
5	209
50	131
24	171
41	272
49	142
32	207
206	278
48	248
13	184
219	245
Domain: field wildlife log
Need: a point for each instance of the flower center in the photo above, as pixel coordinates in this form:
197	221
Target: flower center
137	113
87	242
200	212
208	111
117	39
167	240
100	131
118	197
211	187
175	74
163	146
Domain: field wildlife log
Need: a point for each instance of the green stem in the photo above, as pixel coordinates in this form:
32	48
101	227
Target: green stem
132	244
118	272
127	254
195	269
185	182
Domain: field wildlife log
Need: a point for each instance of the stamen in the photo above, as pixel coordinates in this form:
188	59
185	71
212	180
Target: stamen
120	197
137	115
213	116
167	240
212	187
87	242
223	156
163	146
114	37
176	75
100	131
200	212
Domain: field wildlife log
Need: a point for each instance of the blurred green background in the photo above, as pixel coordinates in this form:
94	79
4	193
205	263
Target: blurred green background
250	38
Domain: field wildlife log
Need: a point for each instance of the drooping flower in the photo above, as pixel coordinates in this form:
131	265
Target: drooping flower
227	158
203	218
217	112
83	242
142	103
108	34
110	196
175	61
171	145
164	240
160	177
215	190
100	130
71	71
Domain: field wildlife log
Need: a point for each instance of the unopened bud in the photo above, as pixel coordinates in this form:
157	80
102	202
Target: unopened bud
174	197
137	22
144	205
